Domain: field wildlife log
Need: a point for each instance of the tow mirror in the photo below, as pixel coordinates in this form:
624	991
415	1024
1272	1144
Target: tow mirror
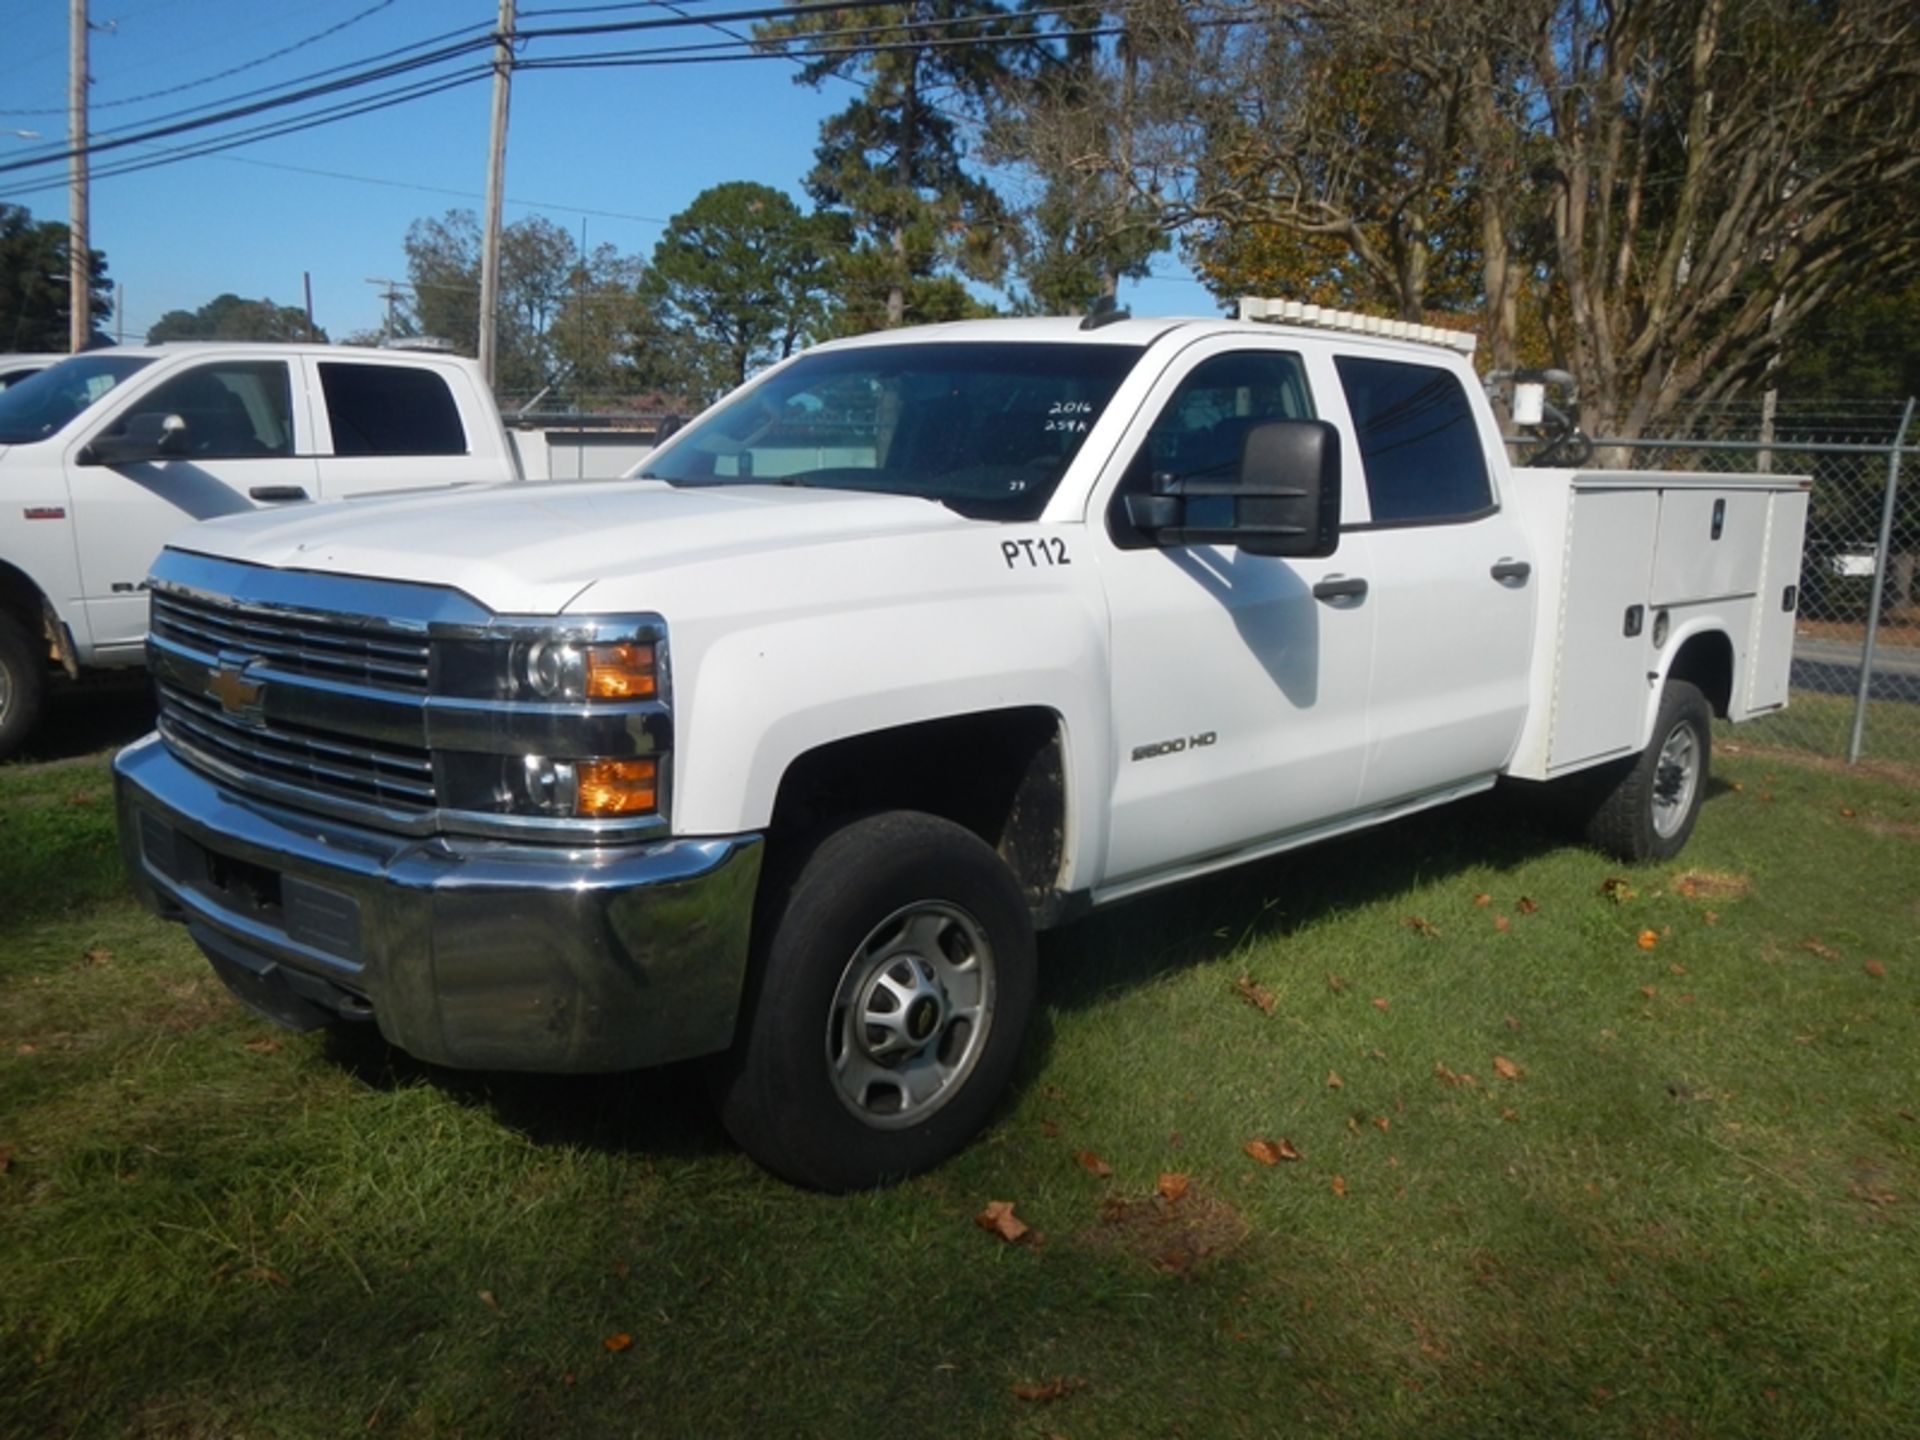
147	436
1284	500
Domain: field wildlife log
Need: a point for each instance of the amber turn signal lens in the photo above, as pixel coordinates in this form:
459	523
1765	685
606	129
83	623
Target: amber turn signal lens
620	672
615	787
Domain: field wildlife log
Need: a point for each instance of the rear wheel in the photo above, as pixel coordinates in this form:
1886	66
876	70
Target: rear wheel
1647	807
894	976
23	681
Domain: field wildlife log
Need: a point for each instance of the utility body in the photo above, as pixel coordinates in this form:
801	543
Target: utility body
780	752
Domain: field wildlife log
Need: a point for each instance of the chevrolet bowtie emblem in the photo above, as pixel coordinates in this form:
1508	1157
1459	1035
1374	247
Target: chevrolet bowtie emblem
238	695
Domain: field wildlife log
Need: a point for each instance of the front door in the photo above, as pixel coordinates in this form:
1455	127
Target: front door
241	449
1239	681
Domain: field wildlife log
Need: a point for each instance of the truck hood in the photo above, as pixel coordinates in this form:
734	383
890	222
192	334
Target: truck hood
530	548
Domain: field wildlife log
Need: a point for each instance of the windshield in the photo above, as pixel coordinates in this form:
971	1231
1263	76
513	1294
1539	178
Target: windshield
46	403
985	429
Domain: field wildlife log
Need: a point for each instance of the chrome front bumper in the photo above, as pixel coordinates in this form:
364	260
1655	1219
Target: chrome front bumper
472	953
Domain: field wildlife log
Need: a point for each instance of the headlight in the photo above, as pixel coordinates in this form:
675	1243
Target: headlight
554	719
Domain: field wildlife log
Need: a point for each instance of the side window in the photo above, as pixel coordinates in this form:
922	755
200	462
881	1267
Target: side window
233	409
1203	428
390	410
1419	444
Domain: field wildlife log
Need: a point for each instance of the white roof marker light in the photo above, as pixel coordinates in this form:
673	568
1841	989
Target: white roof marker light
1318	317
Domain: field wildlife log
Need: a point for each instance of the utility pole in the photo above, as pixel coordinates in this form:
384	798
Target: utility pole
496	180
306	281
392	297
79	251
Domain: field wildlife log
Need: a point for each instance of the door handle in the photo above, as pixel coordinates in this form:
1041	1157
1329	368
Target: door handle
1339	587
270	493
1506	570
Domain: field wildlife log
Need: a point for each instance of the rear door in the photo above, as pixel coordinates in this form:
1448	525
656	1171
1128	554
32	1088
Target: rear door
1451	582
390	426
244	445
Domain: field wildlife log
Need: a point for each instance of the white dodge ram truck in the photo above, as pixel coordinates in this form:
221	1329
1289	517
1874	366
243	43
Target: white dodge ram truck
780	753
106	455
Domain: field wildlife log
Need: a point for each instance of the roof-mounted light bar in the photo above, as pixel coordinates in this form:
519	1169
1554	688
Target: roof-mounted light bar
1323	317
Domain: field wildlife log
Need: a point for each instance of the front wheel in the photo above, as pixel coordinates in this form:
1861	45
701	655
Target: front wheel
1647	807
894	975
23	679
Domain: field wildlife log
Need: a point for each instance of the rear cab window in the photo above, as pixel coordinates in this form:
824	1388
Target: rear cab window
390	410
1419	442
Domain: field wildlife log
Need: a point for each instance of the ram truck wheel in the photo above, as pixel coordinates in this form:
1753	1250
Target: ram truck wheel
1647	806
893	976
23	680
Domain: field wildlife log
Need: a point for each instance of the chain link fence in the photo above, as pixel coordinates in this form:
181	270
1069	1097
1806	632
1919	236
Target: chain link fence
1856	659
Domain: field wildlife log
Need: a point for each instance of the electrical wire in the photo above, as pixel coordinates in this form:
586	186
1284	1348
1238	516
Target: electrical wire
233	70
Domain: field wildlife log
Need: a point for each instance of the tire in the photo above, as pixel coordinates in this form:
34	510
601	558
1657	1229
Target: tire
23	684
1647	807
892	980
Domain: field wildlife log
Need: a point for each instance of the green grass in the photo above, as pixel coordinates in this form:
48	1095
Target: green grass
1692	1212
1823	725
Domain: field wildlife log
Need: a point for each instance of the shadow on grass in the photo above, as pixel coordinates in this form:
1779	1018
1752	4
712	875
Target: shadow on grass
1218	914
662	1111
85	719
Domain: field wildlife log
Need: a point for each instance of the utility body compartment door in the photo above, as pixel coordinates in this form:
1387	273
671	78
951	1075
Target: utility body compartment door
1776	612
1604	649
1709	546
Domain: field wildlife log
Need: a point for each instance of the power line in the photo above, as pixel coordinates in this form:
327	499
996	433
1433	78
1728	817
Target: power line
253	64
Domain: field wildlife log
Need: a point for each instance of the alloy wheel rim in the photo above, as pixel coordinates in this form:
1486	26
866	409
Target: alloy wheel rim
911	1014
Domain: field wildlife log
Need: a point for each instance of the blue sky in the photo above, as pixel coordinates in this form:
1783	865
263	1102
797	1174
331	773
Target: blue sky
621	150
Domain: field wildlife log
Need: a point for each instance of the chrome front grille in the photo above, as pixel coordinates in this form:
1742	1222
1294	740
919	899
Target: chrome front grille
393	777
293	642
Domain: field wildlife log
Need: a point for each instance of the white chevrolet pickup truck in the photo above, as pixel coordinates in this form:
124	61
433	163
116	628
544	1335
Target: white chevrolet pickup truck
781	752
105	455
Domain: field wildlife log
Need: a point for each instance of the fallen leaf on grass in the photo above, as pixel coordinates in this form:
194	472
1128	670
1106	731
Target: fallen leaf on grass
1505	1068
1617	890
1677	969
1712	917
1739	786
6	1159
1379	1002
1509	1113
1648	939
1825	952
263	1274
1335	983
1512	1024
1875	969
1172	1185
1057	1388
99	955
1502	923
617	1343
1000	1219
487	1299
1382	1123
261	1047
1846	812
1649	991
1526	905
1049	1130
1420	925
1339	1186
26	1047
1267	1152
1255	995
1483	899
1092	1163
1448	1077
1334	1082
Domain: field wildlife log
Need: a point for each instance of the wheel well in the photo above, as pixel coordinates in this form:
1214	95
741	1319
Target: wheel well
1706	660
1000	774
20	598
